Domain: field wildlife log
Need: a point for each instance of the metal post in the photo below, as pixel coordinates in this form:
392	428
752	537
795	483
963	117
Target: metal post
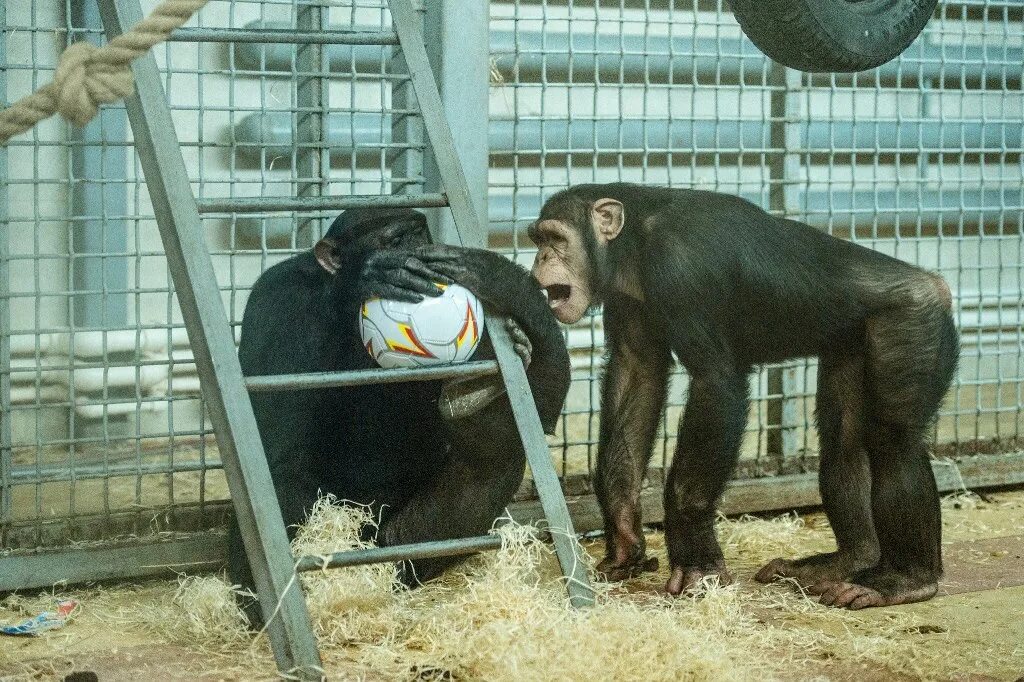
406	158
98	192
407	136
439	135
781	412
312	162
457	39
6	504
213	345
549	490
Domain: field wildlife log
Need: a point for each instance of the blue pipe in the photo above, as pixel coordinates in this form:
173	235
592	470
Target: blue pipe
903	206
364	132
612	56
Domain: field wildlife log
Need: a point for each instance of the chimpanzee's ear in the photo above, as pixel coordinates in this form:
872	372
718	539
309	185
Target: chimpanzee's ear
326	251
607	216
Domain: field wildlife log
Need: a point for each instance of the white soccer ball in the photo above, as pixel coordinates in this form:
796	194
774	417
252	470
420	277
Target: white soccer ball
438	330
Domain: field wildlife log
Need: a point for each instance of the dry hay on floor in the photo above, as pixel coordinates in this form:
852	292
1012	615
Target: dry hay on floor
503	616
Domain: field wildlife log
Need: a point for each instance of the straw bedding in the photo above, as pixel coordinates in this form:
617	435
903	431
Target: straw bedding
503	616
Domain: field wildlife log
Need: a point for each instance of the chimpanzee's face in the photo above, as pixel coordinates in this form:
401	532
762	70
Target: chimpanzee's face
572	251
562	268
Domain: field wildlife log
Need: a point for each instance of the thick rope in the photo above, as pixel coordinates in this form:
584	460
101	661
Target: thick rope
88	76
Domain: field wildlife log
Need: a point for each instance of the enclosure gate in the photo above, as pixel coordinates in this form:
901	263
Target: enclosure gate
191	267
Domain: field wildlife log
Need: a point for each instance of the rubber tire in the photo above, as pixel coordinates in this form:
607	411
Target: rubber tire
832	35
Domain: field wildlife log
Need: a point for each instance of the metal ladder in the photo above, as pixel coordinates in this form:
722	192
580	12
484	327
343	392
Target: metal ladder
178	216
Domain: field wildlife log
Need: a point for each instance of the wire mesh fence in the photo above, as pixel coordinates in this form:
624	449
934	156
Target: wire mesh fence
104	427
919	158
102	431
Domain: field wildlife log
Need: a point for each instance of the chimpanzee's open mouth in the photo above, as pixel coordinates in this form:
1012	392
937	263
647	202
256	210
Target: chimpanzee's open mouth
558	294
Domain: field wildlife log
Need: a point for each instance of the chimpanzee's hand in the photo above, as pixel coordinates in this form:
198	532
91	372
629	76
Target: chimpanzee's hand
493	278
460	264
628	564
625	548
404	274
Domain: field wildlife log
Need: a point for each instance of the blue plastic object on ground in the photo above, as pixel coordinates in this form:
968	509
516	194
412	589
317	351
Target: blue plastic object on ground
48	620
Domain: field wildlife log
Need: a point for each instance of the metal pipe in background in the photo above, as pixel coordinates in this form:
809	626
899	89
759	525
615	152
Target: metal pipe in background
781	407
99	191
886	208
659	58
363	132
312	98
287	37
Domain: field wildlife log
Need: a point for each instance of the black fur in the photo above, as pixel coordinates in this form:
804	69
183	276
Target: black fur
724	287
386	445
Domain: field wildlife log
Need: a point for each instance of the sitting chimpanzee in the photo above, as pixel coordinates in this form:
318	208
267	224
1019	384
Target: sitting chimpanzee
435	460
724	286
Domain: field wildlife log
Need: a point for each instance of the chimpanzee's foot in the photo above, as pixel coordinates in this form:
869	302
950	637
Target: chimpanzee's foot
815	569
686	579
875	587
612	570
520	342
461	398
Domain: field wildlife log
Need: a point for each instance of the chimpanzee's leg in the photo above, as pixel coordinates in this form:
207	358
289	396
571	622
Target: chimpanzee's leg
905	503
463	499
844	475
708	446
912	355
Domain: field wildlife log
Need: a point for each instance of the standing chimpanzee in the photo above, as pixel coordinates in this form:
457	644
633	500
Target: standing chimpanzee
724	286
435	460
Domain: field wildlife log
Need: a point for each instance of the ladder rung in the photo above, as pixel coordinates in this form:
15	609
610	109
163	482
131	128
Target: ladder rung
311	204
265	35
379	555
363	377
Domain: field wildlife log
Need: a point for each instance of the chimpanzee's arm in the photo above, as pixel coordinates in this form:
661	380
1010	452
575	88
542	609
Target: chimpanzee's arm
693	302
484	467
632	398
508	290
486	459
465	497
